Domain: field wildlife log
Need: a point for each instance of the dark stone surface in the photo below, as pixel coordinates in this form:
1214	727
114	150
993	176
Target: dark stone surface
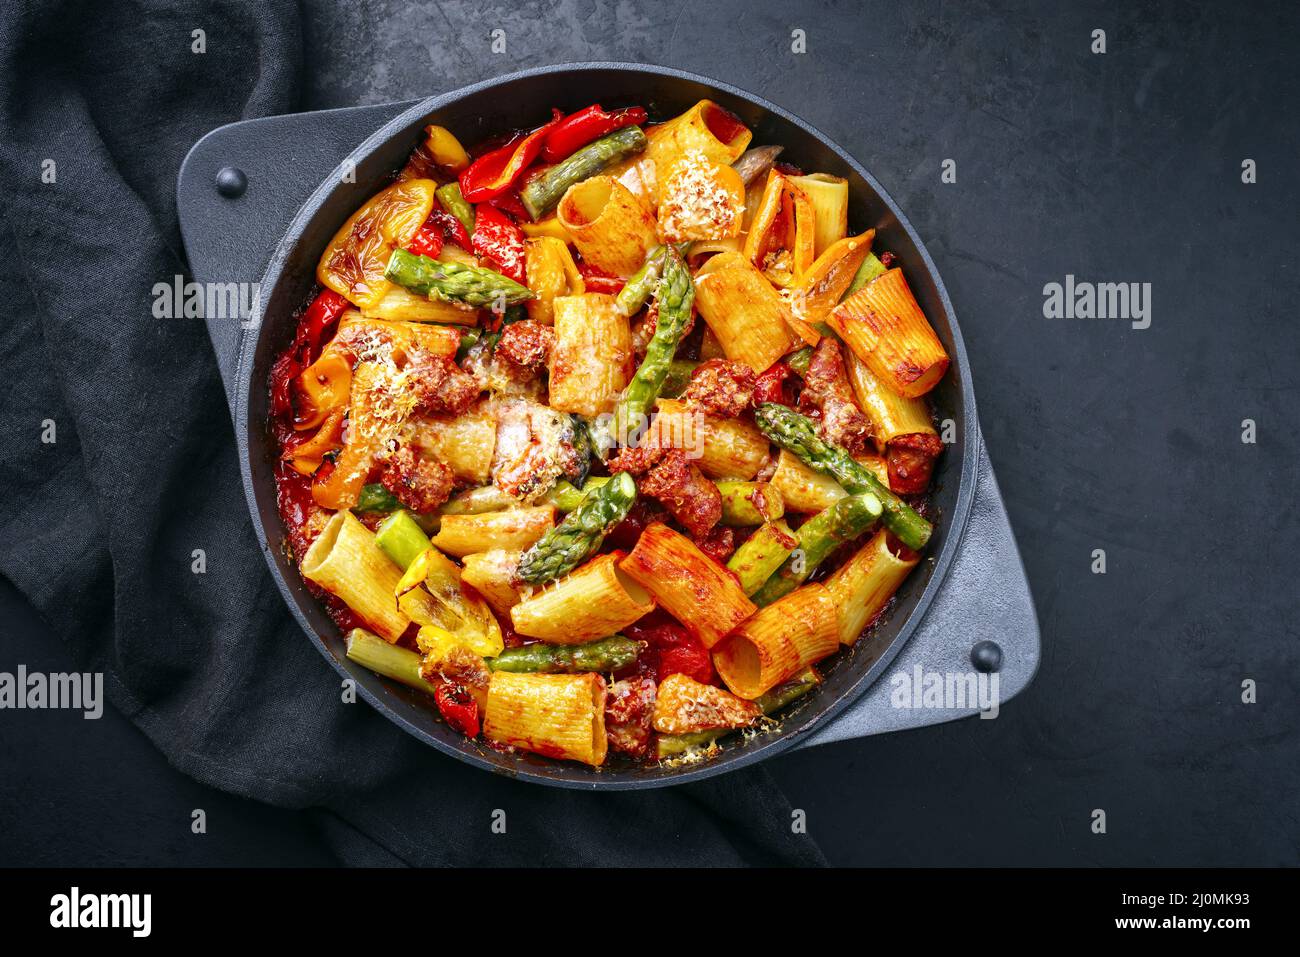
1122	167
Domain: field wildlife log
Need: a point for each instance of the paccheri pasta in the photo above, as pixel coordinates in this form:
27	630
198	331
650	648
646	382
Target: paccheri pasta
608	437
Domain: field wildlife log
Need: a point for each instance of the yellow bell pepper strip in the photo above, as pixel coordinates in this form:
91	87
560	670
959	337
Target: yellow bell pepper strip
445	149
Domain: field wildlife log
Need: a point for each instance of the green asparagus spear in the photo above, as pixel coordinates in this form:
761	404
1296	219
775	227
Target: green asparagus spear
797	434
475	501
543	192
676	294
799	361
671	745
453	282
391	661
818	537
761	555
871	268
488	498
376	498
565	497
468	340
608	654
568	544
401	539
638	289
750	503
789	690
450	198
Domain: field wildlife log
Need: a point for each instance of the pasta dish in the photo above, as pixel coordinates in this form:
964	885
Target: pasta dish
609	436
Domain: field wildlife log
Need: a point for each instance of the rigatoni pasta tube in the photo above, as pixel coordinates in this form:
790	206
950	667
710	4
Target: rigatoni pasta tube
863	584
372	420
612	228
512	530
781	238
804	490
693	132
369	338
778	642
559	716
465	442
723	448
829	198
592	359
891	414
346	562
701	201
490	574
399	304
742	309
705	597
551	272
886	329
592	601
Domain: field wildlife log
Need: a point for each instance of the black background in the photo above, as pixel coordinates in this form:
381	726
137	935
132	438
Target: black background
1120	167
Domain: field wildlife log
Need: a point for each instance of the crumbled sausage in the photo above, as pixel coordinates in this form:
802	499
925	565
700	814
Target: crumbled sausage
524	349
692	499
422	485
718	543
911	461
721	387
826	387
629	708
438	384
638	460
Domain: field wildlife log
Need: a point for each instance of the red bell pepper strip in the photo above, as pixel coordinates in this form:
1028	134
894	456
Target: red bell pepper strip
597	281
457	708
771	386
452	229
323	312
671	649
314	322
579	129
427	240
495	172
509	202
497	238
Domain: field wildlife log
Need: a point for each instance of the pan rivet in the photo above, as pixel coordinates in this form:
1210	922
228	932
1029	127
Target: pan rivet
986	655
231	182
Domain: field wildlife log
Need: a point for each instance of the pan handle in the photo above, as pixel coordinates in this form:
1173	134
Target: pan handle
984	598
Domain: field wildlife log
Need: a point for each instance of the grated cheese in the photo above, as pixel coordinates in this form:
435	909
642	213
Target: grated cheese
696	205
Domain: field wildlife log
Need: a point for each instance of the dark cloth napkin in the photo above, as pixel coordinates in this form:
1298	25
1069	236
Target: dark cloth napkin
100	526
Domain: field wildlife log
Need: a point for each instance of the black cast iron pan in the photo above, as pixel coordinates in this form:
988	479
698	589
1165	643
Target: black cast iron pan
519	100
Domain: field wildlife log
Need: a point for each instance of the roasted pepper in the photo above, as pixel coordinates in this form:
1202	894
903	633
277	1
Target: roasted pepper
495	172
579	129
427	241
597	281
458	709
500	241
